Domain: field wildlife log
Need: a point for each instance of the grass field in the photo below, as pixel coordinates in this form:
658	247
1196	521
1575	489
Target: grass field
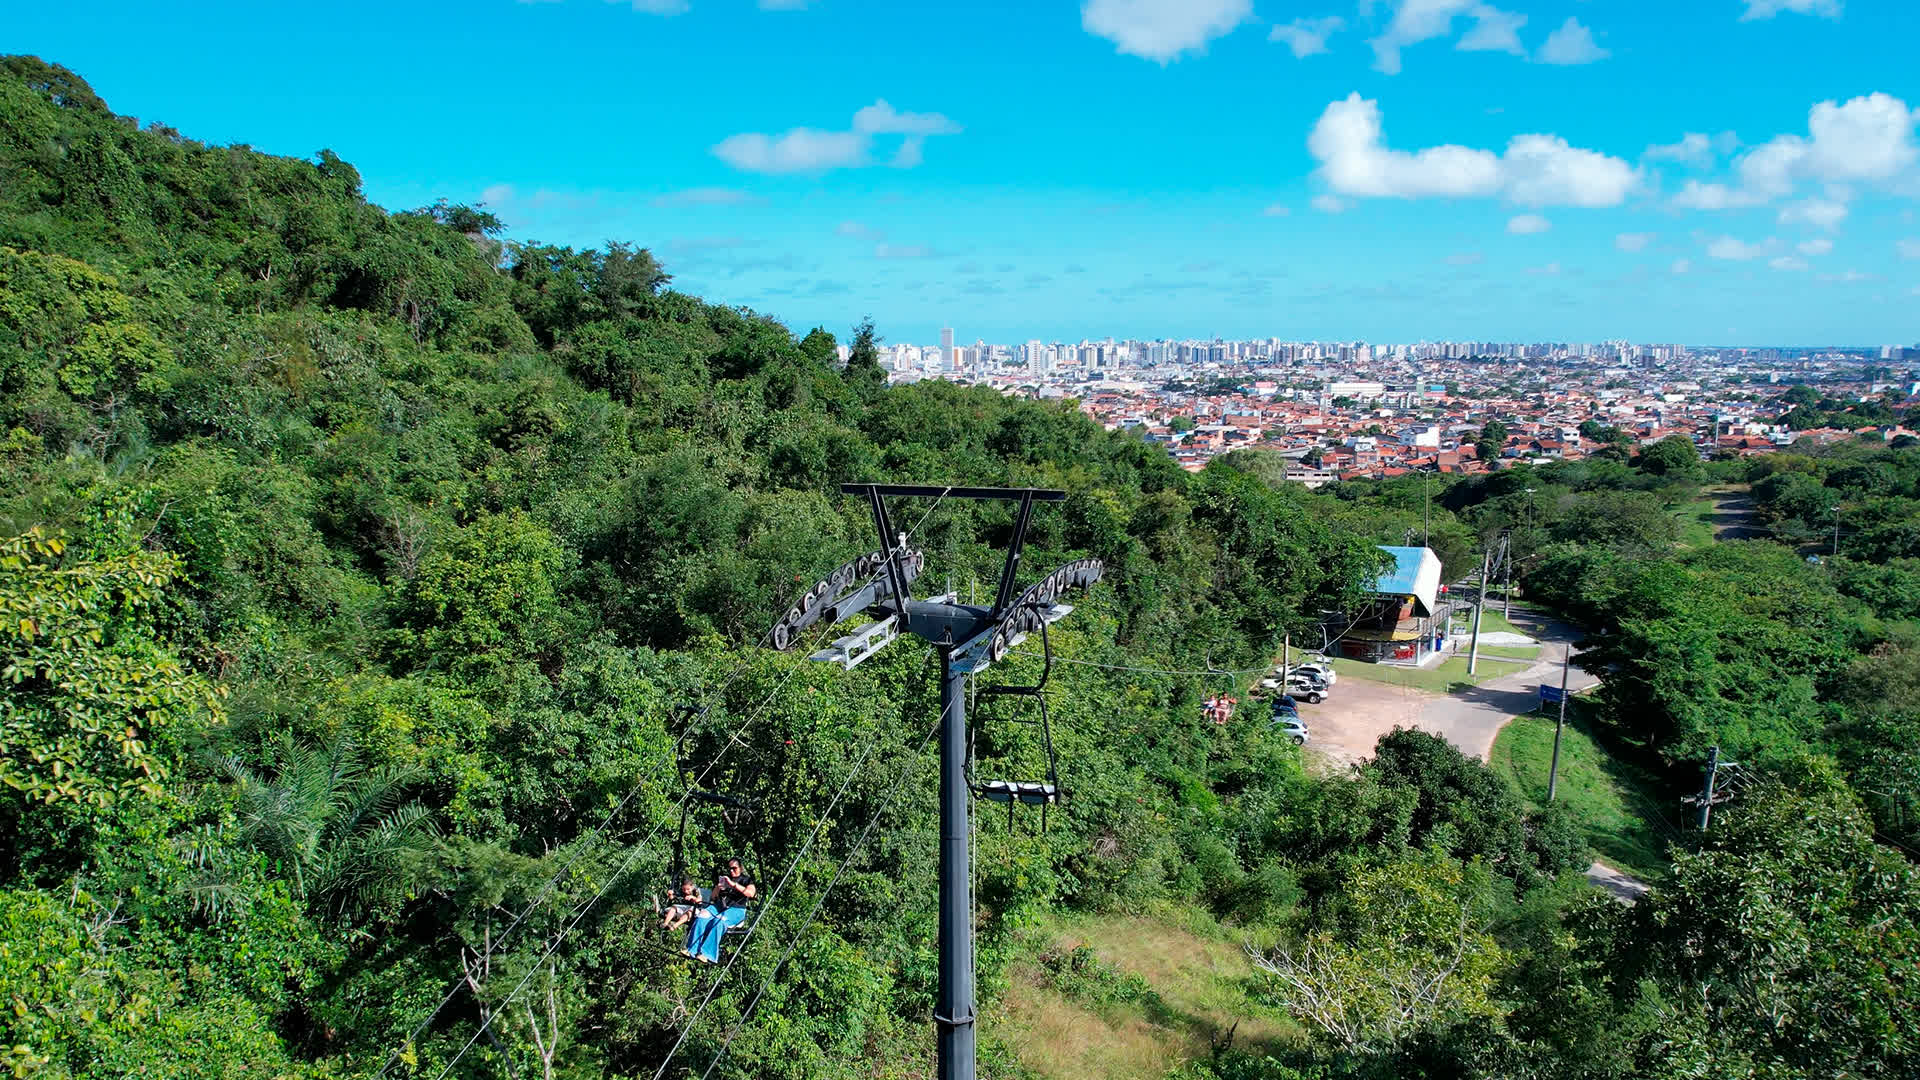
1608	797
1491	622
1440	679
1199	976
1696	519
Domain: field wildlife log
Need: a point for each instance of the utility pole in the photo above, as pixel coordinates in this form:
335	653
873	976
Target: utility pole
1427	476
1706	797
1836	533
1473	647
1553	769
969	639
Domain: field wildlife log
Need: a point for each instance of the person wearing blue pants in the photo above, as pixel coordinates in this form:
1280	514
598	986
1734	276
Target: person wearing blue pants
731	895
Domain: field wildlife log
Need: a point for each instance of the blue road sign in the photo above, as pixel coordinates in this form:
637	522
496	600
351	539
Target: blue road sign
1551	695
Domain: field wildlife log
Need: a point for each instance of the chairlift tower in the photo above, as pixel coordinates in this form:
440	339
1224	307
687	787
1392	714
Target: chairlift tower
970	639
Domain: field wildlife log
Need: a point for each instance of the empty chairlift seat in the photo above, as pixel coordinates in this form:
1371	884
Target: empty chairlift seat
1025	792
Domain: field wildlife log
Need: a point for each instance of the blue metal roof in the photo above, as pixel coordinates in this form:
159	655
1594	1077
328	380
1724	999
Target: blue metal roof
1415	573
1403	578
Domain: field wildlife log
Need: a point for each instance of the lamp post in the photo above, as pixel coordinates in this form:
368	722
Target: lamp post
1836	533
1507	595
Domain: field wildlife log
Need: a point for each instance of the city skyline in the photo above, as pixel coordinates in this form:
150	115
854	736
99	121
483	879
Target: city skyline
1740	171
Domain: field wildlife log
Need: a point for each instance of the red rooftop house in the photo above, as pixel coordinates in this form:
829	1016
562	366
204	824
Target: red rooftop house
1404	621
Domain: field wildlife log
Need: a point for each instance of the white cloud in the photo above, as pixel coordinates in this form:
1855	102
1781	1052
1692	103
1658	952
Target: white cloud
1727	247
881	118
1632	241
509	201
679	7
1528	224
707	196
1788	262
1712	196
1535	170
810	150
1846	276
912	152
1694	148
1822	213
1571	44
1415	21
855	228
1550	270
655	7
799	150
1307	37
1161	30
1329	204
1544	170
1867	139
1681	266
896	251
1908	248
1277	210
1767	9
1493	31
1464	258
1819	245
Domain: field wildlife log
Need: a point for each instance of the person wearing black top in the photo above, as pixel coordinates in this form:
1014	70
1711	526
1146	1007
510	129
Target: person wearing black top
731	895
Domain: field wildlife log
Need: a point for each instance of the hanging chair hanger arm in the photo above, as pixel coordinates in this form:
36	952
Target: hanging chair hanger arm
890	545
935	491
1011	571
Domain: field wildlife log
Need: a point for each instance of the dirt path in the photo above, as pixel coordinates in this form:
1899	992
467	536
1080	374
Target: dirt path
1734	515
1624	888
1346	727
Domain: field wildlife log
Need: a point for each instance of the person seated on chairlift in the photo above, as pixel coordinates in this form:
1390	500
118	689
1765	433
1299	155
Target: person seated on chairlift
731	895
691	899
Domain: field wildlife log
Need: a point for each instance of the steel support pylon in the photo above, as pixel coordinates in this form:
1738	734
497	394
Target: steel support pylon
954	1008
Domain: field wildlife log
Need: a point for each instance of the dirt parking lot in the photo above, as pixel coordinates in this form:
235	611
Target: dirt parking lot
1343	729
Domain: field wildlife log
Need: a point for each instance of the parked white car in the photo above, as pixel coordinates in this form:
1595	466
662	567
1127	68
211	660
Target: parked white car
1290	726
1301	686
1323	671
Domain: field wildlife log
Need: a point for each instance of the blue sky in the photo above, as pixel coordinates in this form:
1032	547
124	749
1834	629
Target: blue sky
1705	171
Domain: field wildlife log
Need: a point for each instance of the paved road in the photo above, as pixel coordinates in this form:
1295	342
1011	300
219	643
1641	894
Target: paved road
1348	725
1470	720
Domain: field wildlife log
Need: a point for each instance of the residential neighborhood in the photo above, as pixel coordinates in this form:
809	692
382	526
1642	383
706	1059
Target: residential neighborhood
1347	411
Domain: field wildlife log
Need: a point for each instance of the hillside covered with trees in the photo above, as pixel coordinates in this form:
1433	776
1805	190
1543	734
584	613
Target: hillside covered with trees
375	587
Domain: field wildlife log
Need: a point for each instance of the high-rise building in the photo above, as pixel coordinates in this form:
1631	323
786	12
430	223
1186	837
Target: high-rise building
946	341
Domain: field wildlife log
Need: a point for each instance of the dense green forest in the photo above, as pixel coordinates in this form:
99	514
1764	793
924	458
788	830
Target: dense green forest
374	587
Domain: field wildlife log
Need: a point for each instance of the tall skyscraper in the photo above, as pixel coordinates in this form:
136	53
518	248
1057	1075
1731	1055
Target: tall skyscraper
946	349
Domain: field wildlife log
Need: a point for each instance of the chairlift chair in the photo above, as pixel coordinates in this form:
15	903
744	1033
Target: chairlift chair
1040	793
735	807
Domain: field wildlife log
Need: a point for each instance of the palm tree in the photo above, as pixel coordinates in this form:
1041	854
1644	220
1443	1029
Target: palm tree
338	830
